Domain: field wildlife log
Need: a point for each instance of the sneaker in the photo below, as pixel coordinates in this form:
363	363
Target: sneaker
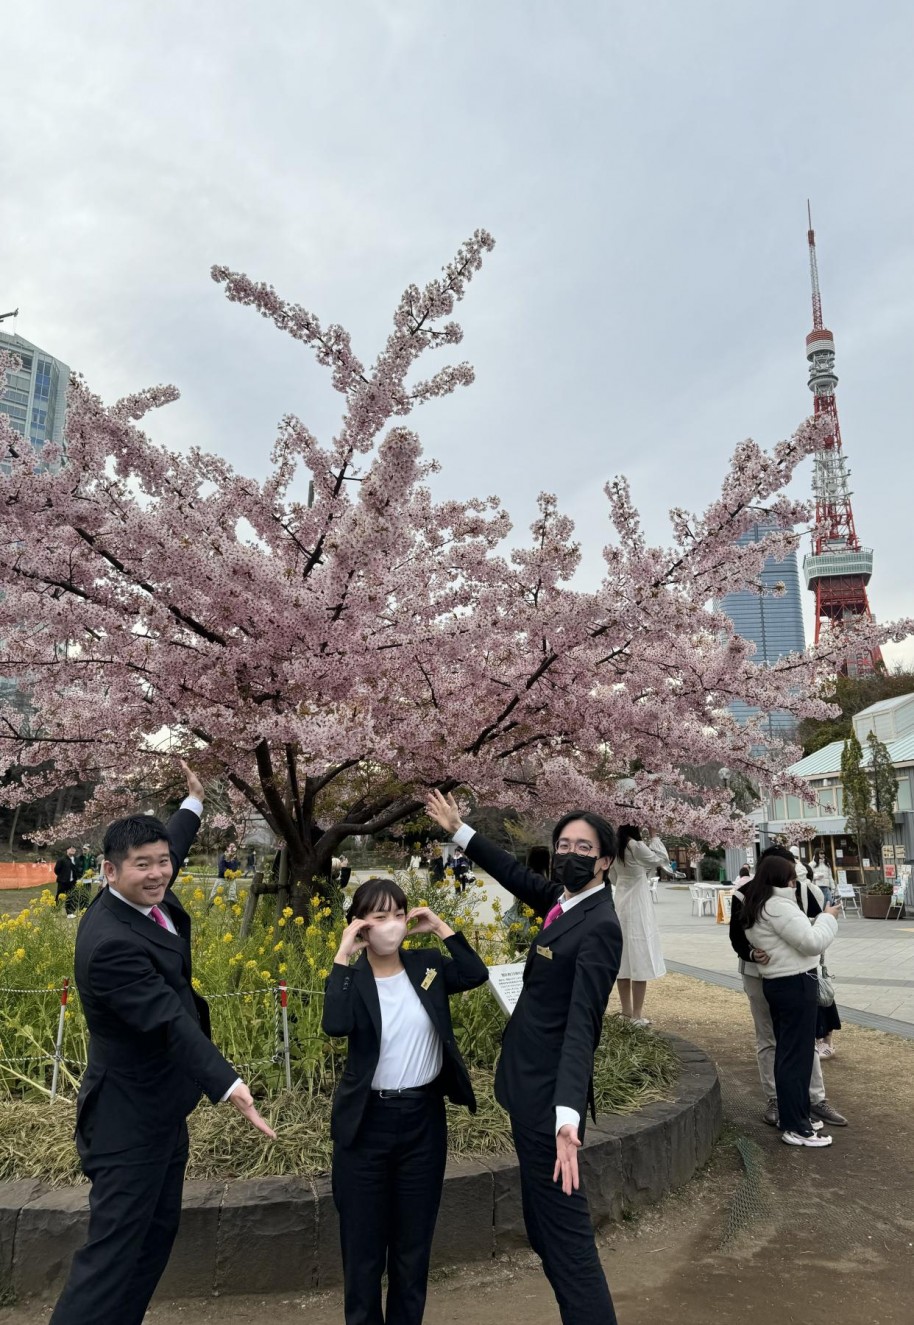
640	1021
813	1141
770	1116
828	1115
826	1051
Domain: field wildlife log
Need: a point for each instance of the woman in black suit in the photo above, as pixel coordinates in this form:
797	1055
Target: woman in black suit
388	1123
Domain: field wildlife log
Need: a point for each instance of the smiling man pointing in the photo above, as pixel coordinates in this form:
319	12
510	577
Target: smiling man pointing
150	1060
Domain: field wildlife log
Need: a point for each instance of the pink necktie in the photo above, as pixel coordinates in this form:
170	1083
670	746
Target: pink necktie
552	915
157	916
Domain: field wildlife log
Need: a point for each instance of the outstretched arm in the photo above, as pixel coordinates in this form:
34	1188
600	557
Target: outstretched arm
528	886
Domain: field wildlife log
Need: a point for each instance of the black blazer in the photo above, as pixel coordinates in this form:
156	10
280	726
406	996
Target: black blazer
352	1008
66	871
150	1055
549	1043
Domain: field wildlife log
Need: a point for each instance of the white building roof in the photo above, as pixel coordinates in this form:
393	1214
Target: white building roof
827	761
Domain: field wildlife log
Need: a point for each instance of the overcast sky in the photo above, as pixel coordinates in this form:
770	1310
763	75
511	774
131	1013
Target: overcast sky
644	167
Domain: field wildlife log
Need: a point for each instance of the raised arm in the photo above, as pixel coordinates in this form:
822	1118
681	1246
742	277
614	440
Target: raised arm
529	887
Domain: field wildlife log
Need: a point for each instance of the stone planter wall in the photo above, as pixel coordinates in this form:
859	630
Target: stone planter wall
280	1234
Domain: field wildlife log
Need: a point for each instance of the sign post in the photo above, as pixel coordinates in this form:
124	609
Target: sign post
506	983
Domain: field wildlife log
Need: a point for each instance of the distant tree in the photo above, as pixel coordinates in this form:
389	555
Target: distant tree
885	781
852	694
866	823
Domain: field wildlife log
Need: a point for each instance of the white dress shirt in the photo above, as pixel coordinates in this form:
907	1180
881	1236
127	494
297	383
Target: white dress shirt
564	1114
411	1052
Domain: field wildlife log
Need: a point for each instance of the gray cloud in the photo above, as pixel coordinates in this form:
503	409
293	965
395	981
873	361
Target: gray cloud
644	169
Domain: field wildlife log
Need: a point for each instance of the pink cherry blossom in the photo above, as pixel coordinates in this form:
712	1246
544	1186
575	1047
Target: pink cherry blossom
327	662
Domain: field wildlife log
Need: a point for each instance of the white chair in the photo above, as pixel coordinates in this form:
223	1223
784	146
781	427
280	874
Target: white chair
701	898
850	900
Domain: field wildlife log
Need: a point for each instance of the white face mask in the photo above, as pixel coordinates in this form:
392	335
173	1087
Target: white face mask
385	936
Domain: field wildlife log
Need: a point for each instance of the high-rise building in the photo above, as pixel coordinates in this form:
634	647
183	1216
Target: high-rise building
36	392
771	618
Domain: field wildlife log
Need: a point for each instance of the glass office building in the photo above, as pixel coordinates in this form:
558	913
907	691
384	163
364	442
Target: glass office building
35	399
774	622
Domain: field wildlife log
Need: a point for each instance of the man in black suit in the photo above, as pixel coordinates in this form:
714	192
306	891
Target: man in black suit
66	871
544	1077
150	1059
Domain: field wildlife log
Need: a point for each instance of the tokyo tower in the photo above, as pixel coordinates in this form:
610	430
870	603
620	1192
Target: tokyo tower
839	569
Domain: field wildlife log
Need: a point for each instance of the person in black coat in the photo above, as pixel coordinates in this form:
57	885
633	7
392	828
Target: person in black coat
150	1059
544	1077
387	1122
67	873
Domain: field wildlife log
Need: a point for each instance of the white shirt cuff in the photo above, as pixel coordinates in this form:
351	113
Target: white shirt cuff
195	806
565	1115
231	1090
463	835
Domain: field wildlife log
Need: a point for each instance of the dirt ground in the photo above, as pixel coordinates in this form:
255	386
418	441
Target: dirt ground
765	1233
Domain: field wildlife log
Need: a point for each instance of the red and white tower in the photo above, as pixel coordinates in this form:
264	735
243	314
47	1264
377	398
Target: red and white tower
839	569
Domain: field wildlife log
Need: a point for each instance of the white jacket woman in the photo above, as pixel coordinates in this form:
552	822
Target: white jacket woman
792	941
642	955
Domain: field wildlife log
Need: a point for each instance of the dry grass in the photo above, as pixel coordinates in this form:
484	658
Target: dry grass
633	1067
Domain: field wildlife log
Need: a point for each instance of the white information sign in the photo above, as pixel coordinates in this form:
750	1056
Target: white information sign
506	982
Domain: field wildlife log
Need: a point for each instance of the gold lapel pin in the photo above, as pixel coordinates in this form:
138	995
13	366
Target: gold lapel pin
430	974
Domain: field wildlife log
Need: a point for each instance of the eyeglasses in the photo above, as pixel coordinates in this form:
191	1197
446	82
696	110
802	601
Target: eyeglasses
564	845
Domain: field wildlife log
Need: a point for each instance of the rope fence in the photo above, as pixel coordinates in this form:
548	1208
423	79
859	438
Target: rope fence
282	1057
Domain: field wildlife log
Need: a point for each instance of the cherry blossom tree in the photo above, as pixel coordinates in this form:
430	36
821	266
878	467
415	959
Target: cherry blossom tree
328	660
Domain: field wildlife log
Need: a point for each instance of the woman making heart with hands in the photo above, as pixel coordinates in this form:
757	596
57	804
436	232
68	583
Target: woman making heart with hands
388	1121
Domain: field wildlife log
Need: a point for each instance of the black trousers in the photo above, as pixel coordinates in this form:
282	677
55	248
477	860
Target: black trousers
387	1189
561	1233
134	1212
793	1000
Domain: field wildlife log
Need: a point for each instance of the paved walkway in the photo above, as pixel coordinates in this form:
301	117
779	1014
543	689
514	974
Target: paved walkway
871	961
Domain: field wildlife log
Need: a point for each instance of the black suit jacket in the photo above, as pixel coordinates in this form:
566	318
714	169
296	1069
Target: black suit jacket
150	1055
352	1008
549	1043
67	871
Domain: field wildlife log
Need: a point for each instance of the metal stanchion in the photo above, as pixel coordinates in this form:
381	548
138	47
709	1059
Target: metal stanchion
283	1003
64	994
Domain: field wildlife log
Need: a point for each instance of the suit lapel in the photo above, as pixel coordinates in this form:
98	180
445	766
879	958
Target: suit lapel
365	984
568	919
147	928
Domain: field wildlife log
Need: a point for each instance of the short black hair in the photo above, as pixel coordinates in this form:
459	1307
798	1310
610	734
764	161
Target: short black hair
744	872
377	894
137	830
784	853
606	834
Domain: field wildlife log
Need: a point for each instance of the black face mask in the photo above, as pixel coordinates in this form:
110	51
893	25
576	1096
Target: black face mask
573	872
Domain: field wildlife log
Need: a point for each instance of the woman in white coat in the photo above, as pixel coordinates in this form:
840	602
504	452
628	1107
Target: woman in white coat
791	946
642	956
822	876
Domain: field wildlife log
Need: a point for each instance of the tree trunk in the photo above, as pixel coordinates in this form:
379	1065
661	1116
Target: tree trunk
250	905
14	823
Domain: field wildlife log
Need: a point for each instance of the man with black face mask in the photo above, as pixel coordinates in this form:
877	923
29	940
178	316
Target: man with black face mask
545	1073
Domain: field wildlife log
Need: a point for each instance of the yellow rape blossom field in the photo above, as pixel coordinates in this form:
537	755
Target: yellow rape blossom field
240	978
